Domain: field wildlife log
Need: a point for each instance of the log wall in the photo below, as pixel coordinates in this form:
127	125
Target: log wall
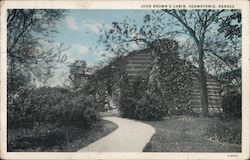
139	64
214	96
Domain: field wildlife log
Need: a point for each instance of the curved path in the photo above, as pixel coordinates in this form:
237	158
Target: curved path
130	136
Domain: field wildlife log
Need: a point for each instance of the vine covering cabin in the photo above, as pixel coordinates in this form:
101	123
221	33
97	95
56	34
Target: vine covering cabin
175	79
139	63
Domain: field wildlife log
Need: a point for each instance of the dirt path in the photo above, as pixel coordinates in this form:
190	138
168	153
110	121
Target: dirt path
131	136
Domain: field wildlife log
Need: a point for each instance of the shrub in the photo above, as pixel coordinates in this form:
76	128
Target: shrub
79	111
129	97
138	102
231	103
150	107
225	132
51	105
44	135
53	111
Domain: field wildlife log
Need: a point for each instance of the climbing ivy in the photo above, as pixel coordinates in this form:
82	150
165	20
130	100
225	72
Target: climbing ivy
172	76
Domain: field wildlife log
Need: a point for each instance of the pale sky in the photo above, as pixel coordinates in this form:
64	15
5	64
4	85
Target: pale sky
80	31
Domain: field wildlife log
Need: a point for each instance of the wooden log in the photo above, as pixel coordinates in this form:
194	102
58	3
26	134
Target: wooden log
212	104
136	67
138	62
142	55
210	90
199	107
138	70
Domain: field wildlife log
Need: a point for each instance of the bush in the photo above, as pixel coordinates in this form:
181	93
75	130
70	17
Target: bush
137	102
51	105
38	137
231	103
47	114
225	132
150	107
78	111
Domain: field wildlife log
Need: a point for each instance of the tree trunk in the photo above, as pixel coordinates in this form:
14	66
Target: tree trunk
203	85
67	135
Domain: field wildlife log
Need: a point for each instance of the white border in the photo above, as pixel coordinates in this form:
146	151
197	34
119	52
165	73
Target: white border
123	4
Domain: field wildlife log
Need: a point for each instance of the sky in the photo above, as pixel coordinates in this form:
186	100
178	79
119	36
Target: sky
79	30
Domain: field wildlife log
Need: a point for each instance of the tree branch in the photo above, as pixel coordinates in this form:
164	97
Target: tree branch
190	30
219	57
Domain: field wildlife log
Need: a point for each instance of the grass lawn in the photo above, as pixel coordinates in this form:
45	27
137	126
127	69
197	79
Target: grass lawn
79	138
84	138
187	134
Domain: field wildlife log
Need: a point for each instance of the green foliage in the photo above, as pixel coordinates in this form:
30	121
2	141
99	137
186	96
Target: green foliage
51	105
17	81
105	80
97	86
224	132
210	54
31	52
77	72
172	77
231	93
138	102
78	67
231	25
45	135
168	89
176	86
131	92
59	109
151	107
231	103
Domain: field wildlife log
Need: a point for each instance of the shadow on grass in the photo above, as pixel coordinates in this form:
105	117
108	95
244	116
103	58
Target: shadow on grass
186	134
79	138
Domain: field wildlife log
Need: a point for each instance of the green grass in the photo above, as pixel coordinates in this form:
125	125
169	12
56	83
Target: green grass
100	130
79	138
186	134
225	131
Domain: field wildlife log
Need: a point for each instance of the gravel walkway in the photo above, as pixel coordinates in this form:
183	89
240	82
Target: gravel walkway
131	136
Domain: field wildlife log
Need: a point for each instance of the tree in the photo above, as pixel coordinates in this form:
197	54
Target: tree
77	72
198	25
231	25
31	54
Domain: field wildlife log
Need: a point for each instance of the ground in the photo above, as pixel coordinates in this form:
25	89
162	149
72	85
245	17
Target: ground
83	139
186	134
80	138
176	134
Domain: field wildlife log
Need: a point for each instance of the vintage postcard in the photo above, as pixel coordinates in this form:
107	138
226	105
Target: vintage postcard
126	79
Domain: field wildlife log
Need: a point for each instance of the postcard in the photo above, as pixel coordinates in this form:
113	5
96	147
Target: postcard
129	79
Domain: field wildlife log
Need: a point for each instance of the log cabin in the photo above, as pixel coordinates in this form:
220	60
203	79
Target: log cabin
139	64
